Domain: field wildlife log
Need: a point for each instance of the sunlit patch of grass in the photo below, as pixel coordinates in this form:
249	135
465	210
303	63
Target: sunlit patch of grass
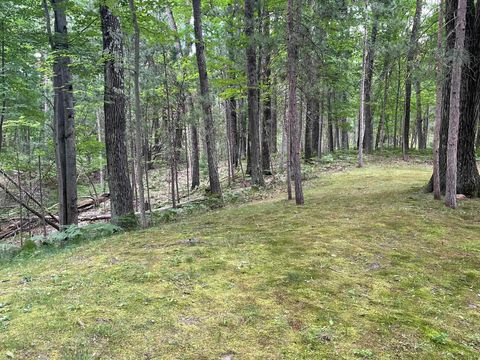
371	267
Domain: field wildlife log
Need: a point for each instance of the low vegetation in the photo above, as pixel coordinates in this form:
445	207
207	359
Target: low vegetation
370	268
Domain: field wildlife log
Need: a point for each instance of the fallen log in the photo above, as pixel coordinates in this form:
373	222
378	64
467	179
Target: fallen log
28	208
90	203
95	218
30	196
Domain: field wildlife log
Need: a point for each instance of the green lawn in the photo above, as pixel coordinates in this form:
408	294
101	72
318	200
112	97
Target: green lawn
369	268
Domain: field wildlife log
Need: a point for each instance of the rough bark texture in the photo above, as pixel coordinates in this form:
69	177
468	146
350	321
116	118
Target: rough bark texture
195	157
267	99
408	80
381	125
294	122
361	116
138	116
454	116
370	61
205	99
315	126
64	120
468	178
421	136
253	119
331	144
121	195
309	121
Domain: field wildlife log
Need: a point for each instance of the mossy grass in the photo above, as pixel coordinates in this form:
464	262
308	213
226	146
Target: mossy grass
370	268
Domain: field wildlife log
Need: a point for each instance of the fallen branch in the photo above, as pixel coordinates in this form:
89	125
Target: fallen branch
28	208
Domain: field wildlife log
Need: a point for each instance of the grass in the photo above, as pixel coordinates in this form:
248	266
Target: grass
369	268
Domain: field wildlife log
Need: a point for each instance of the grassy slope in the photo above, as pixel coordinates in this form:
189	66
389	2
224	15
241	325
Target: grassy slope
369	268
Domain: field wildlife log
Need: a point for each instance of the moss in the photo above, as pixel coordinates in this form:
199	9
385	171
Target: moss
370	267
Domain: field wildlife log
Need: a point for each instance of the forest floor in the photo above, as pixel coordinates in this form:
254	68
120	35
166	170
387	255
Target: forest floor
371	268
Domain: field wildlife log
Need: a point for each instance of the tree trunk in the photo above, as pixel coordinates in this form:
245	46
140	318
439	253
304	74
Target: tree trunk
412	51
294	8
274	122
253	120
267	100
361	117
309	121
121	196
138	115
468	178
397	104
454	116
381	125
370	61
195	157
205	100
64	119
331	144
419	120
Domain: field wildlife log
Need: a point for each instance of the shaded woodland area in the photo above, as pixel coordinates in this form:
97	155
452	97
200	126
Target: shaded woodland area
239	179
112	101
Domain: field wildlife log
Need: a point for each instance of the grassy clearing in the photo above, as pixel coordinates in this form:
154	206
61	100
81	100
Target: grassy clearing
370	268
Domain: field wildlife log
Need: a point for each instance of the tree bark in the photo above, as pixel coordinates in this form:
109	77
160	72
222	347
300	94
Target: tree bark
370	62
66	155
138	116
419	118
381	125
309	121
412	51
121	195
294	8
205	100
253	120
468	178
361	117
331	143
267	101
454	116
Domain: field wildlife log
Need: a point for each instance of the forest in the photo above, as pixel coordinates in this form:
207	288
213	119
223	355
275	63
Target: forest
239	179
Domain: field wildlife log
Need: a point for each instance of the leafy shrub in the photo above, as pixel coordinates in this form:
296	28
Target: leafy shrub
76	233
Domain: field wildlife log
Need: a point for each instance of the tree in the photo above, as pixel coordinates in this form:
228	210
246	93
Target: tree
267	102
294	13
412	51
205	100
138	116
361	116
438	105
121	195
454	116
252	85
468	177
369	64
66	155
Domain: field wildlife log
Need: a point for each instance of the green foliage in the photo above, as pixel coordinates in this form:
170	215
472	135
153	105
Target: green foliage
74	233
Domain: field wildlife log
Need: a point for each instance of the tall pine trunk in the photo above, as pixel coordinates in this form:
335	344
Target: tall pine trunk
454	116
412	51
370	61
64	119
206	101
121	195
253	118
294	8
138	116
